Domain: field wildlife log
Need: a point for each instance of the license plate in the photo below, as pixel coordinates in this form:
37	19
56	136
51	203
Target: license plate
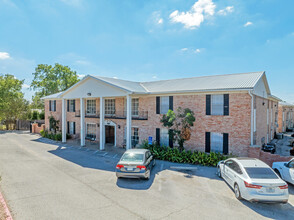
130	169
270	189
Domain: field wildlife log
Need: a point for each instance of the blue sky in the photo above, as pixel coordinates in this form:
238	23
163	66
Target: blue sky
145	40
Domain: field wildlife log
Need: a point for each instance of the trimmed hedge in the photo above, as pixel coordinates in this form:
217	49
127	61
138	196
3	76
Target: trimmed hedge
56	137
191	157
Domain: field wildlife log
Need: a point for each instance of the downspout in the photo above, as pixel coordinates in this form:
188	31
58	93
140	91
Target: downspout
252	115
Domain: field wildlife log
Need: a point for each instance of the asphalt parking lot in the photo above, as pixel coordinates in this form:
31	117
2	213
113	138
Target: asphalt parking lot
46	180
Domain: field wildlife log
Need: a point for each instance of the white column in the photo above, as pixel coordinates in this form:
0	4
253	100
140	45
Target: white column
102	127
82	115
129	122
63	121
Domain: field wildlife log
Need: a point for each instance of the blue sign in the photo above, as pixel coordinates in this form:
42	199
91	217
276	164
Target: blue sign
149	140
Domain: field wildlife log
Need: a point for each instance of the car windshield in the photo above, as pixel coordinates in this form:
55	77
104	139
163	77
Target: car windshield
132	157
260	173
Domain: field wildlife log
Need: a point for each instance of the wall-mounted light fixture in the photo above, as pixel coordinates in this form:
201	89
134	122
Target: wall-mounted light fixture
89	94
118	126
98	125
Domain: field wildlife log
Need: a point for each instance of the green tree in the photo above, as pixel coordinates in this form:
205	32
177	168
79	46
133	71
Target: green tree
35	115
53	124
12	103
51	79
179	125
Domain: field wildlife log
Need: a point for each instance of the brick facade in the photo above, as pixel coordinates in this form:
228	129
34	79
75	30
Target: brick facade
285	117
237	124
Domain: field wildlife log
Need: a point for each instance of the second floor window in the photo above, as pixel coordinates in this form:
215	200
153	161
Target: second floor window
217	104
52	105
163	104
109	106
91	107
71	105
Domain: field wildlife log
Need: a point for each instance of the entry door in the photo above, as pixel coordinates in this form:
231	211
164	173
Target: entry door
109	134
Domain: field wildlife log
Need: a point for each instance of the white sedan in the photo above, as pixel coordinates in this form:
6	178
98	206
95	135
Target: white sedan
253	180
285	170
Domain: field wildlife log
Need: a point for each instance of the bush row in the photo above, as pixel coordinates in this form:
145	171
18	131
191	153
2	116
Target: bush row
56	137
185	156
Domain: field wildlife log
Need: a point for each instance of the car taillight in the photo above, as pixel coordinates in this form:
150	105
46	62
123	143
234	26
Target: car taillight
248	185
141	167
284	187
119	166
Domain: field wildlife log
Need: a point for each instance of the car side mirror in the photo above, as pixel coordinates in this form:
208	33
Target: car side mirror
286	164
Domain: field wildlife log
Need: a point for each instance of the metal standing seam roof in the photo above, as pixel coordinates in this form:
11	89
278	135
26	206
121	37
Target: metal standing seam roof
203	83
226	82
286	104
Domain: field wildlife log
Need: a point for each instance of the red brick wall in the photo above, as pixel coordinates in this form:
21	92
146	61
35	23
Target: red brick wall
36	129
237	124
283	124
268	158
57	114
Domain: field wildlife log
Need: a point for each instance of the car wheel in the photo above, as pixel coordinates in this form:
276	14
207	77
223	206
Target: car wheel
278	172
219	173
237	192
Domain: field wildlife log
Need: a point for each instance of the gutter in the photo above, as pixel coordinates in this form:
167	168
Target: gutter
252	115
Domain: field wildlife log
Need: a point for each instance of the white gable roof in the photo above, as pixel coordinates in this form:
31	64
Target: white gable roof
255	81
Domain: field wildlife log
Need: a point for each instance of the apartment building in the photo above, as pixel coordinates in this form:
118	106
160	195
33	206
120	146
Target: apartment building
286	116
232	111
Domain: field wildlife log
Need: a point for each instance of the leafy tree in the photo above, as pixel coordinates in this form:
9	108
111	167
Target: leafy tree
51	79
54	124
35	115
42	115
12	103
179	125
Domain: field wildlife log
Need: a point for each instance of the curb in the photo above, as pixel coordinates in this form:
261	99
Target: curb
7	212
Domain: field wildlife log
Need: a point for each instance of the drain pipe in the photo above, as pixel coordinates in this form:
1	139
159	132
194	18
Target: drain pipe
252	115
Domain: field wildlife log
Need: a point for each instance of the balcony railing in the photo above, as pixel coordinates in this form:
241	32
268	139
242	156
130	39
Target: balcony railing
136	115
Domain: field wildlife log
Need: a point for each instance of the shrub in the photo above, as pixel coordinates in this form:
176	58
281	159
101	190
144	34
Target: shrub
42	115
42	132
185	156
35	115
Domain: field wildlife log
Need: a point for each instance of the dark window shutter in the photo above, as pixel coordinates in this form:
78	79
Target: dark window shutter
68	127
157	105
226	104
74	105
67	105
55	105
171	143
208	104
158	136
171	103
207	142
50	106
225	143
74	128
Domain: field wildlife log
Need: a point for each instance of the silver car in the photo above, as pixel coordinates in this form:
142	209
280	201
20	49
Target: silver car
135	163
253	180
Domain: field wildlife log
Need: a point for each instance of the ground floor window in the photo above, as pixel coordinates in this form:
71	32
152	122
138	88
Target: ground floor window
134	137
216	142
71	127
164	137
91	131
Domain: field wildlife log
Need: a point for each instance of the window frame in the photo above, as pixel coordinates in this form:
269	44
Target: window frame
92	135
71	107
214	104
164	137
164	105
109	107
91	107
211	141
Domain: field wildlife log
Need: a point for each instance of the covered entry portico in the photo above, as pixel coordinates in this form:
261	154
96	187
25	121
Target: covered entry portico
93	88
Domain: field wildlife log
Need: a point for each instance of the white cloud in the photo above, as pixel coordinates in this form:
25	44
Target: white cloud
195	16
154	77
4	55
81	76
248	23
186	50
225	11
160	21
114	77
25	86
197	50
